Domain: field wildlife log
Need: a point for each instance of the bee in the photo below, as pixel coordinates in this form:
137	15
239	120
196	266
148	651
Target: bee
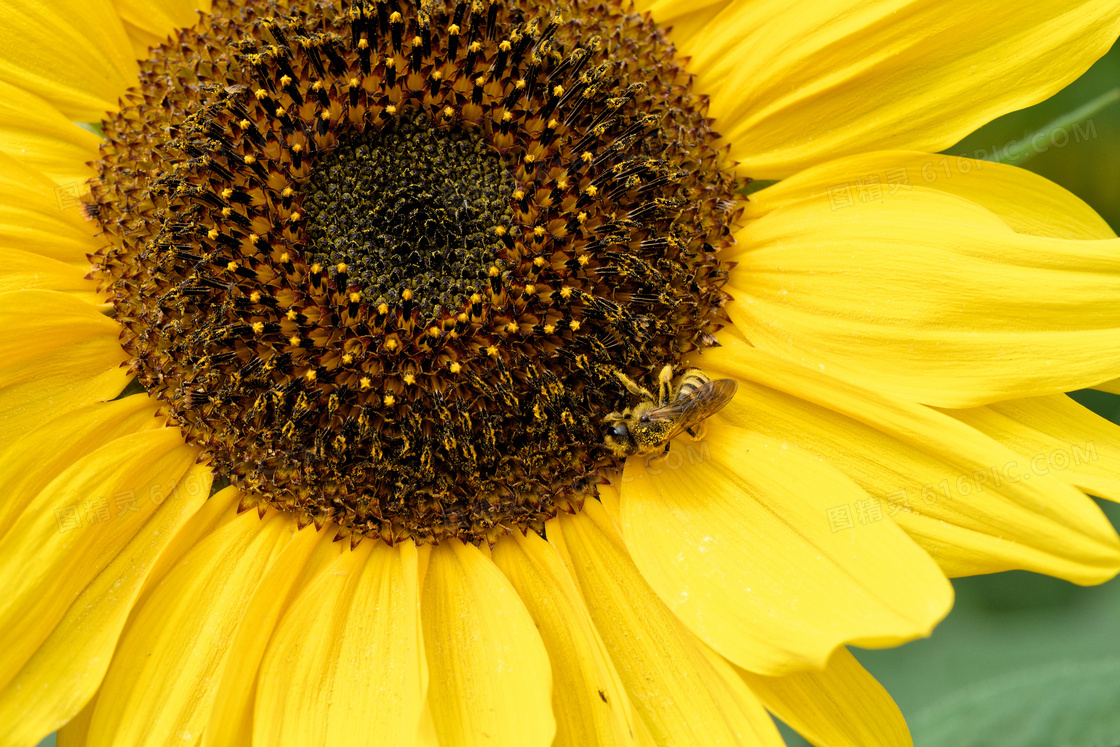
653	422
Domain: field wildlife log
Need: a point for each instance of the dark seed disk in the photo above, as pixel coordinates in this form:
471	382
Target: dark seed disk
382	261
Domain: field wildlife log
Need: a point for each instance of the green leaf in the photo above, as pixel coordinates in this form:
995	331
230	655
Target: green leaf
1069	704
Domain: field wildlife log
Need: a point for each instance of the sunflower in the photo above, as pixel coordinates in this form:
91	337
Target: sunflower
314	326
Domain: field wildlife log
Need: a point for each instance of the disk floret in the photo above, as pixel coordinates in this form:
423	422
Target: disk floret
383	262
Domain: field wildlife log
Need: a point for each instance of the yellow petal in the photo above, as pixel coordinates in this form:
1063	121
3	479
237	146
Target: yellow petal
162	681
1025	201
733	535
29	271
58	354
346	663
40	455
231	721
681	697
37	134
73	734
491	680
37	215
927	296
683	19
798	83
1113	385
839	705
950	487
73	53
1055	436
160	18
588	699
69	588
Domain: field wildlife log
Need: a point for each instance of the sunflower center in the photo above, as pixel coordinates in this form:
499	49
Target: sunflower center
383	263
410	208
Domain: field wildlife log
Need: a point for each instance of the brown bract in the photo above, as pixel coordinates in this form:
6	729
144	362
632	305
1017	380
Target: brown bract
288	283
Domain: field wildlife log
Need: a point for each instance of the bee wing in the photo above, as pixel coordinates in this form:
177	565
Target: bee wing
704	402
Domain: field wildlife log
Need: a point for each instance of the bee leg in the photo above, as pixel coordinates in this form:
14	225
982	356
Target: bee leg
657	457
697	431
633	387
664	385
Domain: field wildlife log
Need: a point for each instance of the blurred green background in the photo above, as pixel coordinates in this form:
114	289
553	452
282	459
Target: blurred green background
1023	659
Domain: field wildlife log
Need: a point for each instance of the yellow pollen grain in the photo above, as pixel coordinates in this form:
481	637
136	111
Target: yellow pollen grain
390	110
382	309
538	262
549	329
575	325
365	383
354	82
395	17
505	46
539	231
582	217
391	344
494	271
562	183
253	238
347	359
433	331
294	341
227	212
500	231
409	378
453	29
261	94
519	194
341	268
437	75
586	156
325	116
227	193
448	112
455	367
558	90
295	217
285	258
244	124
297	148
355	297
287	192
480	81
530	158
530	289
583	260
591	190
511	327
255	296
520	84
553	124
507	117
492	351
363	43
476	46
292	315
317	86
475	299
310	376
390	400
250	160
258	328
390	62
417	41
316	268
566	292
407	294
462	318
233	267
213	233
